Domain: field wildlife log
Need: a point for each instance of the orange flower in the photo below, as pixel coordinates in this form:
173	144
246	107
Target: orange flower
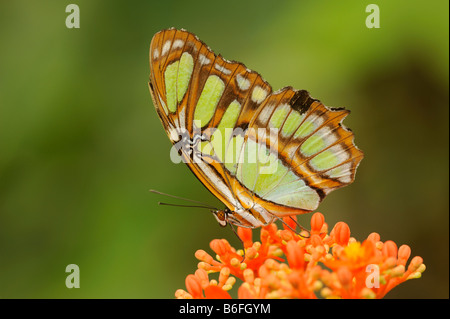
285	264
200	287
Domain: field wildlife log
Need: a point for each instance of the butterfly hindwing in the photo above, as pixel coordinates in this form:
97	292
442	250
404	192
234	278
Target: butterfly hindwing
311	153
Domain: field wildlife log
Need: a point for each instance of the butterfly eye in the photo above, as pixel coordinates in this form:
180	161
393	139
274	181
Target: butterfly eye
221	217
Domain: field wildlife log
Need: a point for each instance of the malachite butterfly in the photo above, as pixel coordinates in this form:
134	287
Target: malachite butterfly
264	154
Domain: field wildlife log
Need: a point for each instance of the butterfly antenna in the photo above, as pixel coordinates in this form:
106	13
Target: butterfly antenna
203	205
180	205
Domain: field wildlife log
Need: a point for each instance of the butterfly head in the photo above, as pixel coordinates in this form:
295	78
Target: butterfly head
222	216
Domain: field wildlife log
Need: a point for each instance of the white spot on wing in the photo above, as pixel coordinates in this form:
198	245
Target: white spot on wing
178	44
155	54
203	60
242	82
258	94
342	173
266	113
222	69
340	152
166	47
163	105
327	135
173	134
182	118
345	179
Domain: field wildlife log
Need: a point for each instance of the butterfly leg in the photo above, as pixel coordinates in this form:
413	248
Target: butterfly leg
240	239
298	225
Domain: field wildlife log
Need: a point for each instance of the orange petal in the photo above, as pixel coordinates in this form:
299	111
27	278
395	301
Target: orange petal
193	286
317	221
286	235
415	263
374	237
341	233
295	254
345	276
202	275
291	221
203	256
316	240
215	292
403	254
249	276
390	249
219	247
245	234
224	275
245	293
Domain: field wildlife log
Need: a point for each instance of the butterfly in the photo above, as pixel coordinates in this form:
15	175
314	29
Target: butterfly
264	154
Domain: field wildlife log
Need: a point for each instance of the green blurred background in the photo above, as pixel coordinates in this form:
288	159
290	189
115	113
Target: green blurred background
81	144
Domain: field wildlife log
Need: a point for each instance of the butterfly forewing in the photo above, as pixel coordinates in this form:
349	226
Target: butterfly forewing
264	154
205	99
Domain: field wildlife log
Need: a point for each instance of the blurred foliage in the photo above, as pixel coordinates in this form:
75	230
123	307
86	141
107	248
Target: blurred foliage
81	144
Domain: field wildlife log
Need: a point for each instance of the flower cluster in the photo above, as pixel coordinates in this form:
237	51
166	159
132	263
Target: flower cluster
314	264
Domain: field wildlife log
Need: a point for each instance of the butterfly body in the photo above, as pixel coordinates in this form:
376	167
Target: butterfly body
264	154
